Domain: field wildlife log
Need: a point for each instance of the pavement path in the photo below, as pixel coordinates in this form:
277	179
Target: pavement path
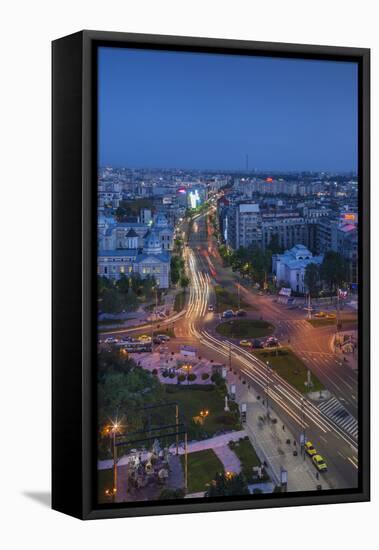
270	442
229	459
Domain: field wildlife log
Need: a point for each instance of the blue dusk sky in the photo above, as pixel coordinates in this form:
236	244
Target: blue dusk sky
204	111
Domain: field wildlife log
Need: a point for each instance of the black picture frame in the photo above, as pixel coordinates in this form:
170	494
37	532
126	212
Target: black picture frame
74	147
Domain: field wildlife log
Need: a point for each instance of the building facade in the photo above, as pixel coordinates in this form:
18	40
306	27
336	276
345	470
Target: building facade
289	267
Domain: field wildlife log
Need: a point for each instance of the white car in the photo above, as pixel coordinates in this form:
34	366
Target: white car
111	340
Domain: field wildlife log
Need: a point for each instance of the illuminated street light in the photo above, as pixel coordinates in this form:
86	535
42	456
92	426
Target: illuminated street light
113	430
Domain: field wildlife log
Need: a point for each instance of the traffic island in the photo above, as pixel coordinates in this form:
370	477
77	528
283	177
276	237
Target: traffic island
245	328
292	369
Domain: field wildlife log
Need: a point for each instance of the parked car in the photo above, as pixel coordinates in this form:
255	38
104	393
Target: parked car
163	337
257	344
228	313
320	463
241	313
309	449
111	340
272	342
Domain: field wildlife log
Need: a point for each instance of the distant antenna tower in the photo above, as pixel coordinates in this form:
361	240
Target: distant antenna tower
247	162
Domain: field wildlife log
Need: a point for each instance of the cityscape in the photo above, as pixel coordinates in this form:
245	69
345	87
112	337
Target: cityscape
227	297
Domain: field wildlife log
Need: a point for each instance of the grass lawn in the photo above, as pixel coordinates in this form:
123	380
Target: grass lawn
323	322
245	328
180	300
290	367
247	456
316	323
192	399
104	481
202	469
228	300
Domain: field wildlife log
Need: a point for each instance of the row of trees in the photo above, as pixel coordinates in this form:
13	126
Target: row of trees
256	264
132	208
178	274
124	294
332	273
123	389
251	262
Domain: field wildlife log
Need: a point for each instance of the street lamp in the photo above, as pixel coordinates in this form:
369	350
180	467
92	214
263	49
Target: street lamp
113	430
267	385
303	426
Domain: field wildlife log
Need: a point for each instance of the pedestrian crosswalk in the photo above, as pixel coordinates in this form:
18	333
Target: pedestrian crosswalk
336	412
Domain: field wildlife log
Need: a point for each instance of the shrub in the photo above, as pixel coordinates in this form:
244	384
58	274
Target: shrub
168	494
181	377
205	376
226	420
155	371
172	375
191	377
165	374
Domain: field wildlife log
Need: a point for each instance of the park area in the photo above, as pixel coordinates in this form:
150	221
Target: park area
247	457
202	469
228	300
245	328
196	398
288	365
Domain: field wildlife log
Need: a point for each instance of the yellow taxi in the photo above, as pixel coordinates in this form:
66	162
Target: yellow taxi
320	314
331	316
320	463
245	343
309	449
144	337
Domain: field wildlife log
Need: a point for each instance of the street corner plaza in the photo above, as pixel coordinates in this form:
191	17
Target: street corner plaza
227	271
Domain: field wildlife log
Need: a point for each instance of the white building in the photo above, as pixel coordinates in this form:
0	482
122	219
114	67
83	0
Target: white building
290	267
150	261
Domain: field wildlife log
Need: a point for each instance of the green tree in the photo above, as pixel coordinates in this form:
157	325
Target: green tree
176	269
112	301
184	282
312	278
123	284
274	245
333	270
136	283
102	284
228	485
120	213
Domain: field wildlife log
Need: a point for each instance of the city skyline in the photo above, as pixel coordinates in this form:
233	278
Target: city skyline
181	107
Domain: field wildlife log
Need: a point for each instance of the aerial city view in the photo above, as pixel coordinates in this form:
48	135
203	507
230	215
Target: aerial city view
227	276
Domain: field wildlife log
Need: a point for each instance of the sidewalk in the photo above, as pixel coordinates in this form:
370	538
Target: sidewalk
215	443
270	443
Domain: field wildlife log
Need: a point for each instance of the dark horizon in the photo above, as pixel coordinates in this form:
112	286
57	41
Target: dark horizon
210	110
250	172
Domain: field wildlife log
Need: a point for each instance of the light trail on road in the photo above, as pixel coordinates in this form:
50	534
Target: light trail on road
280	391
